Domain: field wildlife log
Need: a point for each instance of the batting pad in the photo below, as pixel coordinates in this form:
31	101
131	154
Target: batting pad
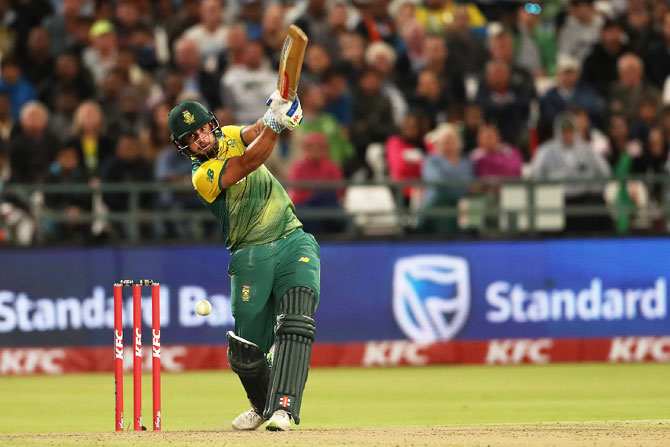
295	334
248	361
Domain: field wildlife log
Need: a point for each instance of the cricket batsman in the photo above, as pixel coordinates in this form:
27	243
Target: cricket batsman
274	265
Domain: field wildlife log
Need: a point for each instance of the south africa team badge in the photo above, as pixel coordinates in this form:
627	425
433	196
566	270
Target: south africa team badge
188	117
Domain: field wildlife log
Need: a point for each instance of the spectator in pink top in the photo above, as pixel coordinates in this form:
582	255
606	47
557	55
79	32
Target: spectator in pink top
405	152
493	158
316	165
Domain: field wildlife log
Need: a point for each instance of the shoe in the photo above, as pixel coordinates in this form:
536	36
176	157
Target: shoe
249	420
280	421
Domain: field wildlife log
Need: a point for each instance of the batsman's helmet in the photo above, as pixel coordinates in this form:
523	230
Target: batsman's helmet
185	119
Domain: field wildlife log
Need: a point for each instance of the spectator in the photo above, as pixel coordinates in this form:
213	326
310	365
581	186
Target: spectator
67	169
377	24
473	118
445	164
591	135
580	31
62	115
125	166
626	157
339	18
502	102
431	96
411	59
251	16
466	50
127	20
657	56
101	56
186	17
373	121
569	93
315	120
501	46
197	82
273	33
89	130
381	56
246	87
69	74
449	75
566	156
318	61
352	55
312	17
645	119
316	165
600	66
234	53
131	117
493	158
210	34
31	150
637	26
338	100
657	151
535	48
20	91
437	15
405	152
631	87
37	64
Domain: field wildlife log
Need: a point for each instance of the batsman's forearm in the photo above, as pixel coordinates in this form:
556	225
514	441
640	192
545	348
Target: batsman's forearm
259	150
250	133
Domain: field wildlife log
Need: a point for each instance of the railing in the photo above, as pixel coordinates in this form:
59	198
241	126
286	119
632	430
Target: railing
491	209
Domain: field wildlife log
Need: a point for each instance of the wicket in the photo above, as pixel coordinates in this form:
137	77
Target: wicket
137	352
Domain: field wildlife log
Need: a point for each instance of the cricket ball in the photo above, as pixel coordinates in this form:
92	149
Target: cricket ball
203	307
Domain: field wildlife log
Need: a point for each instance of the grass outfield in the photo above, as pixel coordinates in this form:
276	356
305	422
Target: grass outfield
435	403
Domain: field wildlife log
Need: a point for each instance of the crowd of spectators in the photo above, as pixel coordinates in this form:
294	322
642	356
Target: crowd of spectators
449	89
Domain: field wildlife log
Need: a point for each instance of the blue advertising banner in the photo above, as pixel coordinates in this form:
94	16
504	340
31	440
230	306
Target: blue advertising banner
370	291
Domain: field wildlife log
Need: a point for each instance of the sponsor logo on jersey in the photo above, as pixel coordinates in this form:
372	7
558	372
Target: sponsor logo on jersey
210	175
188	117
431	296
245	293
303	259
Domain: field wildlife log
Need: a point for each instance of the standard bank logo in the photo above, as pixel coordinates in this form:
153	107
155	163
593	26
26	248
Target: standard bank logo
431	296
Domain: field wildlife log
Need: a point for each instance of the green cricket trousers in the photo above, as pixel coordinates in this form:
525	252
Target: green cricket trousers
262	274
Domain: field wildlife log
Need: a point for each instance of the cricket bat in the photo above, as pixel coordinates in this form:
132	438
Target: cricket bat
290	62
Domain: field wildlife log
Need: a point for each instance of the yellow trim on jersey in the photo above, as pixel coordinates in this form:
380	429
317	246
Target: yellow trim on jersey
206	178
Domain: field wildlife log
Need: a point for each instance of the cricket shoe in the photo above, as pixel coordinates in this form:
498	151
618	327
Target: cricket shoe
280	421
249	420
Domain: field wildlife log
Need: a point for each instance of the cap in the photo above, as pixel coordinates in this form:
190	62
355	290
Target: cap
101	27
567	62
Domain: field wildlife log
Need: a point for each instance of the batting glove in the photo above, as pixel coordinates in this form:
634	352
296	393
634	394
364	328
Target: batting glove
270	121
286	113
292	118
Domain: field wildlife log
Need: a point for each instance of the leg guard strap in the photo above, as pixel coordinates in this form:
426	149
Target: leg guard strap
293	346
248	361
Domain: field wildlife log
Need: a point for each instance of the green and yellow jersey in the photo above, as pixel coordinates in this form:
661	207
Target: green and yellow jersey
255	210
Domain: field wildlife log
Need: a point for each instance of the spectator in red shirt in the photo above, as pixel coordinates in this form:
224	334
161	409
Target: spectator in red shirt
316	165
404	152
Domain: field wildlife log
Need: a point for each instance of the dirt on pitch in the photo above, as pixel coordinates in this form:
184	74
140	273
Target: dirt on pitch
647	434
